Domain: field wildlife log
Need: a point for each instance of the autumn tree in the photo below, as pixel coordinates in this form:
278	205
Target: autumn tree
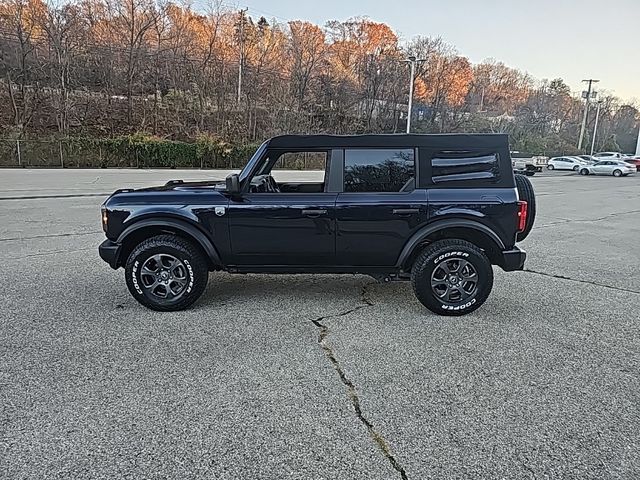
23	73
112	67
307	50
131	22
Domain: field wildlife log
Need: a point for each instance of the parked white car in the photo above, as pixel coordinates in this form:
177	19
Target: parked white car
617	168
607	155
565	163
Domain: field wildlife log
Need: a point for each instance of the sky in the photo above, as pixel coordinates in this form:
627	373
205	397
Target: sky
570	39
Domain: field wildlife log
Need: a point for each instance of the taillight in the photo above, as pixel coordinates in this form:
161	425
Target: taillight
105	218
522	215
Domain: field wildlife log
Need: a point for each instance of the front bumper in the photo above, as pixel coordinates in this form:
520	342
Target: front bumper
110	252
511	260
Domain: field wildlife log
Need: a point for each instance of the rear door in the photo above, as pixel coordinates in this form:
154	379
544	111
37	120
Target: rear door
379	208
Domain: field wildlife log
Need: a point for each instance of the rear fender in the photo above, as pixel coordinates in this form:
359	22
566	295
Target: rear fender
425	232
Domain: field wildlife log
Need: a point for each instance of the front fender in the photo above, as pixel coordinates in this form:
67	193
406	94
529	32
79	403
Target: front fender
178	225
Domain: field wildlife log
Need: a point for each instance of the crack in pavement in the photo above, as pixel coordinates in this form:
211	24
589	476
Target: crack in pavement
588	282
52	235
55	252
599	219
351	389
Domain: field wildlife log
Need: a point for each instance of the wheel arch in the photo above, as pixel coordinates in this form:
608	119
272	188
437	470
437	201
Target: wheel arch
462	229
147	228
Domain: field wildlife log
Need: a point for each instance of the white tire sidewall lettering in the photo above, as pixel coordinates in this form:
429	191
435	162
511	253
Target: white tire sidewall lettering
134	277
190	269
458	307
448	255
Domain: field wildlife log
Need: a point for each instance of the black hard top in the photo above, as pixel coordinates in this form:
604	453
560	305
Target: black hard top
445	141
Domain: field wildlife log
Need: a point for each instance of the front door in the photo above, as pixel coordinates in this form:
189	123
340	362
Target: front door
379	209
284	218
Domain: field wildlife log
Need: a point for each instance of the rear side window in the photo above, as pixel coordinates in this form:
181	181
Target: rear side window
379	170
459	167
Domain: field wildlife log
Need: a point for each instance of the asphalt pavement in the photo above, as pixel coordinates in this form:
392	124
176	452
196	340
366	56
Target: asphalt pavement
318	377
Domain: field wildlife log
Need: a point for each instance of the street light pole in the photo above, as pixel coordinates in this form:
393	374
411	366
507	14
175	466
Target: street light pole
412	62
586	111
241	60
595	127
638	144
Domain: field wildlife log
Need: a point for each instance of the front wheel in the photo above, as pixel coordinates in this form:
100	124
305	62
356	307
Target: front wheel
584	171
550	167
166	273
452	277
575	169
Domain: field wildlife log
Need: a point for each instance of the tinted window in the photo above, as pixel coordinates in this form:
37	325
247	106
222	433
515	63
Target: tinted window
380	170
464	167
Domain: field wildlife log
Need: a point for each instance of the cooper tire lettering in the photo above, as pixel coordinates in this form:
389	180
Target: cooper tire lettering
450	254
134	277
188	265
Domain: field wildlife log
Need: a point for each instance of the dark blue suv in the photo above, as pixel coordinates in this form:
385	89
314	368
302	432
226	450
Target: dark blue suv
438	210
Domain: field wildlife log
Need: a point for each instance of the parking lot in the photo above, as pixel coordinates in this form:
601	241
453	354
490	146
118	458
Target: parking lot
318	377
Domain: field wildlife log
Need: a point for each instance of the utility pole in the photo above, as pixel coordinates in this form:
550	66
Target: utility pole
412	61
481	107
241	61
595	127
586	110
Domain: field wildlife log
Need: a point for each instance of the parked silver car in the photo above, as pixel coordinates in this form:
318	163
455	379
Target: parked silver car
617	168
565	163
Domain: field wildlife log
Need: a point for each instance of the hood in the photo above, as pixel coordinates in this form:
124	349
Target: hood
181	185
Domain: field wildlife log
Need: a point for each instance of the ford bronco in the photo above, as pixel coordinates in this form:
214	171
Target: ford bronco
438	210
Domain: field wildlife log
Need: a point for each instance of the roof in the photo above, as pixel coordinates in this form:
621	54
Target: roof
447	140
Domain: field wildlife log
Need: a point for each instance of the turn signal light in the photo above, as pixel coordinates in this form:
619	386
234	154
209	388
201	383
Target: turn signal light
522	215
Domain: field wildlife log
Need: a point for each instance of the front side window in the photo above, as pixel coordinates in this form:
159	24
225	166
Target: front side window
281	171
379	170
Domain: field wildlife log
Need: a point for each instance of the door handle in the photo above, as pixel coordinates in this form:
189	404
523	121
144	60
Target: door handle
405	211
316	212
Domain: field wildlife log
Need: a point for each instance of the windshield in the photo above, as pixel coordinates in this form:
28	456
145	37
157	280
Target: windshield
256	156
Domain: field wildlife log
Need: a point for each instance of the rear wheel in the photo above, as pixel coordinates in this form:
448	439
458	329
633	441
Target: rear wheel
166	273
617	173
452	277
575	169
526	193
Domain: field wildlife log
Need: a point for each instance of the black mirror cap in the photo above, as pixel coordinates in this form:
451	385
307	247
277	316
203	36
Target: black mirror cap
233	183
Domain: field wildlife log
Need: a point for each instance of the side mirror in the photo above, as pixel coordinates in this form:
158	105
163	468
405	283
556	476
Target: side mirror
233	184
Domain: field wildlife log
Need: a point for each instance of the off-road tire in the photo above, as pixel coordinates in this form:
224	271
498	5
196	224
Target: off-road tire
195	271
444	251
526	193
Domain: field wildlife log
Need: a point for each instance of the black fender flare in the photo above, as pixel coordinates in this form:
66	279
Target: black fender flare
179	225
438	225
